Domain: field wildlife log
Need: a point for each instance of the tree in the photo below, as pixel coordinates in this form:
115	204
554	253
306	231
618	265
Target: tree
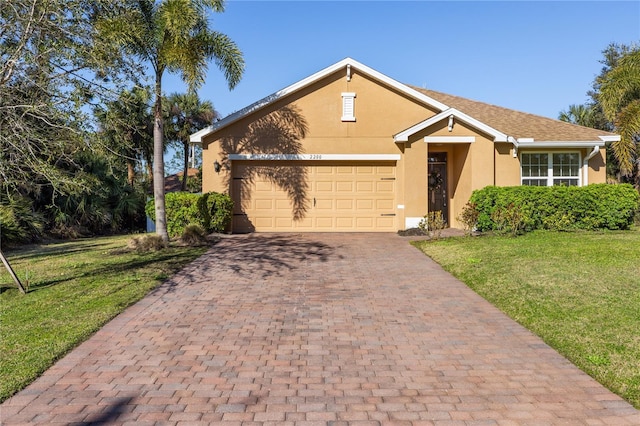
49	56
583	115
126	129
620	99
592	114
173	36
186	114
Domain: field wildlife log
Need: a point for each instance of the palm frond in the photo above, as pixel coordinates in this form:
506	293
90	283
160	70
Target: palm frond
228	57
627	149
621	85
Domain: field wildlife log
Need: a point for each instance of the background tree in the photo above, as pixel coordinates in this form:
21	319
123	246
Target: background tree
126	129
620	100
185	115
592	114
51	66
174	36
583	115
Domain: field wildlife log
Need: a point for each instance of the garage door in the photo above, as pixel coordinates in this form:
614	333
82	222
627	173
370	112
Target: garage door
314	196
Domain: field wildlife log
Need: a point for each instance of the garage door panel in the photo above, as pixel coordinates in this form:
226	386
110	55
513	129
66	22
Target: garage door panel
263	204
325	223
384	222
365	170
263	222
344	186
283	205
386	205
364	204
344	222
365	223
385	186
324	204
262	187
283	222
337	197
324	186
385	171
347	204
365	186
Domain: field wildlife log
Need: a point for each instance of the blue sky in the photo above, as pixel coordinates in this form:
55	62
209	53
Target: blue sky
537	57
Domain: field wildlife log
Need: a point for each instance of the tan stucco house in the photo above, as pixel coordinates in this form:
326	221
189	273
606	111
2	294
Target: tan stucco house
351	149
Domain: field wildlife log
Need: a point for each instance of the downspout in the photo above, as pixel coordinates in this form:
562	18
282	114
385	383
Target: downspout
515	145
585	164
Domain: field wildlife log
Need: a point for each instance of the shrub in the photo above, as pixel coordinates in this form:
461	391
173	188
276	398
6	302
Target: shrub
217	211
469	217
211	211
19	223
432	224
510	219
599	206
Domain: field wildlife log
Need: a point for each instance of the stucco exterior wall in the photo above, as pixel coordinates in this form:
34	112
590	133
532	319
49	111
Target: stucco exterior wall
309	122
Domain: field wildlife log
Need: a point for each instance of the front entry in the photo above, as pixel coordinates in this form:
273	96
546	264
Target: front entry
438	184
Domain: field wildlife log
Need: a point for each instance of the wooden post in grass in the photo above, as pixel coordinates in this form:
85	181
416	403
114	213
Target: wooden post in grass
13	274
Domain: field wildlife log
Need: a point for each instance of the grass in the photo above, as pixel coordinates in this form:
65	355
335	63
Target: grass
74	288
580	292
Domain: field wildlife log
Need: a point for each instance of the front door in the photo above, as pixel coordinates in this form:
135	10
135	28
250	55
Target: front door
437	183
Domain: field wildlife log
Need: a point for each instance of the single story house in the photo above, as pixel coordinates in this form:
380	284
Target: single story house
351	149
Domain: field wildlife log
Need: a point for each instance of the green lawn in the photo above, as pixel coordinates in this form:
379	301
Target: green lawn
74	288
580	292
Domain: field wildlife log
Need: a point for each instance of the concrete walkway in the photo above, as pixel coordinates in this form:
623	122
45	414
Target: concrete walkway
315	329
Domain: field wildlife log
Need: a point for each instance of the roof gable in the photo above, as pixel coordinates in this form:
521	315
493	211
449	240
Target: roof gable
347	64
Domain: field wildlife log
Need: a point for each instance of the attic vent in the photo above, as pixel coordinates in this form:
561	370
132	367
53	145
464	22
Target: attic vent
348	106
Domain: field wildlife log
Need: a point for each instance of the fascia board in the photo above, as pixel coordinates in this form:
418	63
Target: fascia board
197	137
559	144
612	138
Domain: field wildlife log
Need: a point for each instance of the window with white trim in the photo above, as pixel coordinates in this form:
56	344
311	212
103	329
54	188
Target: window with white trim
348	106
547	168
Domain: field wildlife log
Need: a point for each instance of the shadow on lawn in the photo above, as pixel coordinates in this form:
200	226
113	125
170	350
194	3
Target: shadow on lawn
171	260
55	249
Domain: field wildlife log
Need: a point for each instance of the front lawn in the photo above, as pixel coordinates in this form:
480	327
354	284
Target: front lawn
74	288
580	292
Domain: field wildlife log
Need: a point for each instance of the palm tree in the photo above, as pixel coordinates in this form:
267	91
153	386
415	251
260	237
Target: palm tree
582	115
620	100
174	36
186	114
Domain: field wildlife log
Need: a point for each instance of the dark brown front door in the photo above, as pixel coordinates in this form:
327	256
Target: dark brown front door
437	183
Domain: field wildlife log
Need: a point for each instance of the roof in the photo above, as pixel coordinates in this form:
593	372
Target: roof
519	124
503	124
173	183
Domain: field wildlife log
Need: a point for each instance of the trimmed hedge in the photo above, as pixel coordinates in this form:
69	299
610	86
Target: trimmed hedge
598	206
212	211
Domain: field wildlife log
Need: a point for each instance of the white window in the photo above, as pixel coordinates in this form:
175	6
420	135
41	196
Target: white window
547	169
348	106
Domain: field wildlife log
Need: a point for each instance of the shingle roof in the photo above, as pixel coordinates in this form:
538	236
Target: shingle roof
516	123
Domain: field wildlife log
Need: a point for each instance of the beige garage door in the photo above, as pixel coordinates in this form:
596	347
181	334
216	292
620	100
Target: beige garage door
314	196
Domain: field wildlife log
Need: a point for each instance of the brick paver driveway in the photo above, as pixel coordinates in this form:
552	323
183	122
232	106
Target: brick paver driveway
315	329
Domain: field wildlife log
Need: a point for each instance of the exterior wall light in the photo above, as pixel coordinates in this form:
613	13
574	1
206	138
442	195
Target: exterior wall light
217	166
